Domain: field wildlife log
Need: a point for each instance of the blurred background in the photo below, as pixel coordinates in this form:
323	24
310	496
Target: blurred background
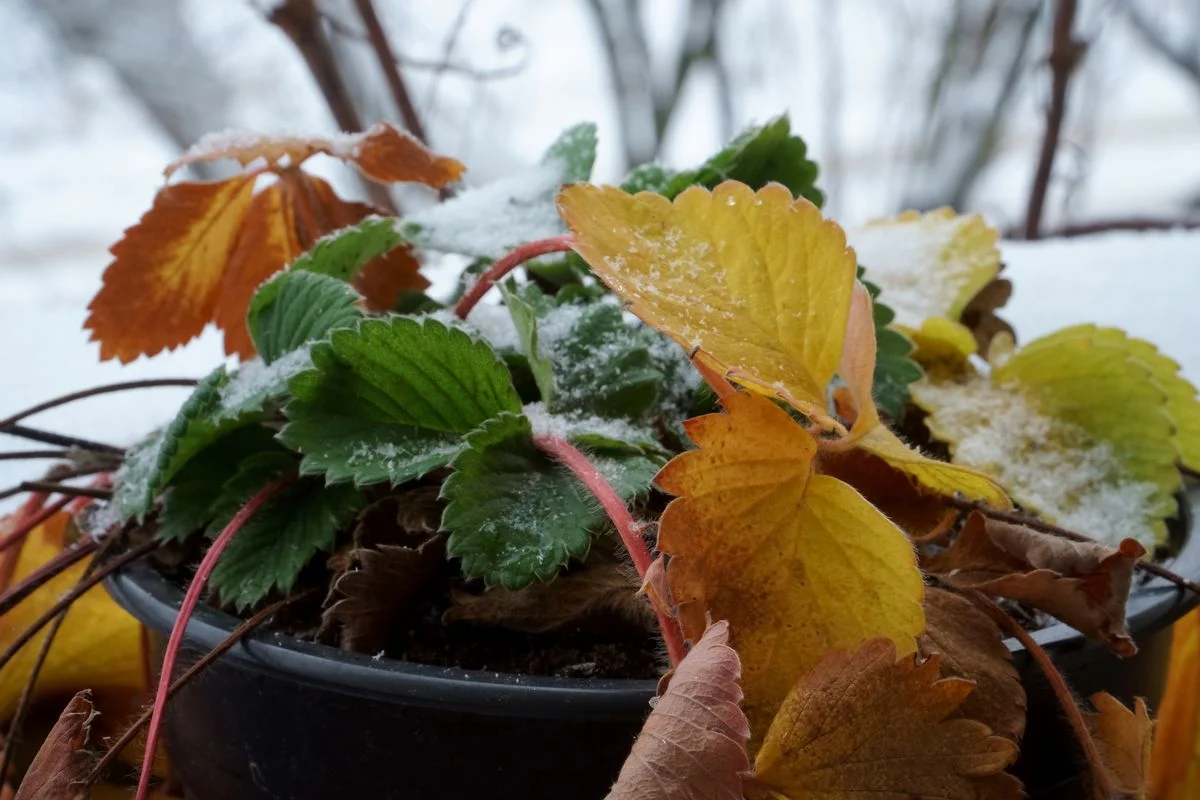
904	103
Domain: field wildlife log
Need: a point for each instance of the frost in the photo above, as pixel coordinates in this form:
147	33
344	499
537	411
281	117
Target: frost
570	425
255	383
1046	464
494	324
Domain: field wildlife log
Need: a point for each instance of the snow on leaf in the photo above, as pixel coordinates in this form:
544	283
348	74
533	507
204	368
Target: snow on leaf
1084	584
693	744
342	253
514	515
575	149
164	283
296	308
255	386
756	538
1125	741
759	282
383	153
864	723
60	769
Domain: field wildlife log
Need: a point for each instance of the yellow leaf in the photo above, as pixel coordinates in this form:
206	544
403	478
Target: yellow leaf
936	476
163	286
863	724
757	539
759	282
928	265
98	646
942	345
1175	766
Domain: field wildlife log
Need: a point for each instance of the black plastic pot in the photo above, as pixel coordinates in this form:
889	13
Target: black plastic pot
284	719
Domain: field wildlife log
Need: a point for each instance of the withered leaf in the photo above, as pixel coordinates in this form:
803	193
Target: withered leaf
693	745
864	724
602	586
1125	740
897	494
980	317
1084	584
970	645
59	769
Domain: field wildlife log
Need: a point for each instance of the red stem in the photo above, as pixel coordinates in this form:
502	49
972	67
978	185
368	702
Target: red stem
190	599
506	265
569	456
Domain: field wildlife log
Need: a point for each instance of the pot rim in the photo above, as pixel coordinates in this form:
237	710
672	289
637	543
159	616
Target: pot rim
151	598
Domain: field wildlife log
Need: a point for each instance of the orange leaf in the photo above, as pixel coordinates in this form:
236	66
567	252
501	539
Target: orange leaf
864	724
1124	739
857	366
59	769
694	742
1175	771
163	286
384	153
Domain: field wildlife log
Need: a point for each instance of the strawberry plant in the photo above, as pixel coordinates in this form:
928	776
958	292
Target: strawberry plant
704	409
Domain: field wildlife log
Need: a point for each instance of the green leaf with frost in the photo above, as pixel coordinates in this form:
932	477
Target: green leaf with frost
256	387
515	515
575	148
294	308
343	253
648	178
391	399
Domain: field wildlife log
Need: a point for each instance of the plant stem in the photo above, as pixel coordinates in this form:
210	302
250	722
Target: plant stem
238	633
1102	785
506	265
1065	53
70	597
92	392
50	487
46	572
190	599
1045	527
570	457
22	455
46	437
387	63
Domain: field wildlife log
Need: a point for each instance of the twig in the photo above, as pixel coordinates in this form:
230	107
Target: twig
29	455
1103	785
58	475
92	392
1065	53
70	597
1188	472
1046	527
238	633
505	265
1129	224
46	437
51	487
387	62
46	572
190	599
569	456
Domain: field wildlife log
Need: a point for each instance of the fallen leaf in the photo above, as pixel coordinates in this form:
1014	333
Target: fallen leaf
864	724
1084	584
1125	739
756	538
163	285
60	768
98	645
970	645
1175	765
383	153
693	744
758	281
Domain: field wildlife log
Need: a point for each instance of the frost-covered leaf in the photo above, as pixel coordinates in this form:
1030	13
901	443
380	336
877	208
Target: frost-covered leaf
756	538
1125	740
862	724
164	283
929	266
514	514
1084	584
384	153
1074	427
647	178
575	148
255	387
488	221
759	282
297	307
344	252
60	769
693	744
391	399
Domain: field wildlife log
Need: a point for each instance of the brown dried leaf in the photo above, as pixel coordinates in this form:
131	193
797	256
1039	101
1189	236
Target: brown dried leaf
602	586
693	745
163	285
895	493
60	768
1125	739
979	315
970	645
863	723
1084	584
383	153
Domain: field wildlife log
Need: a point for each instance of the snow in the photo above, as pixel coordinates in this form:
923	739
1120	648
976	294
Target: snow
569	425
1046	464
255	382
493	323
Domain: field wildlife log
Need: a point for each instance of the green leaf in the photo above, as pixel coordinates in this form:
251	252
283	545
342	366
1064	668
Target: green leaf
895	371
295	308
344	252
274	545
256	386
151	464
413	302
251	474
189	503
525	304
514	514
389	399
648	178
575	148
